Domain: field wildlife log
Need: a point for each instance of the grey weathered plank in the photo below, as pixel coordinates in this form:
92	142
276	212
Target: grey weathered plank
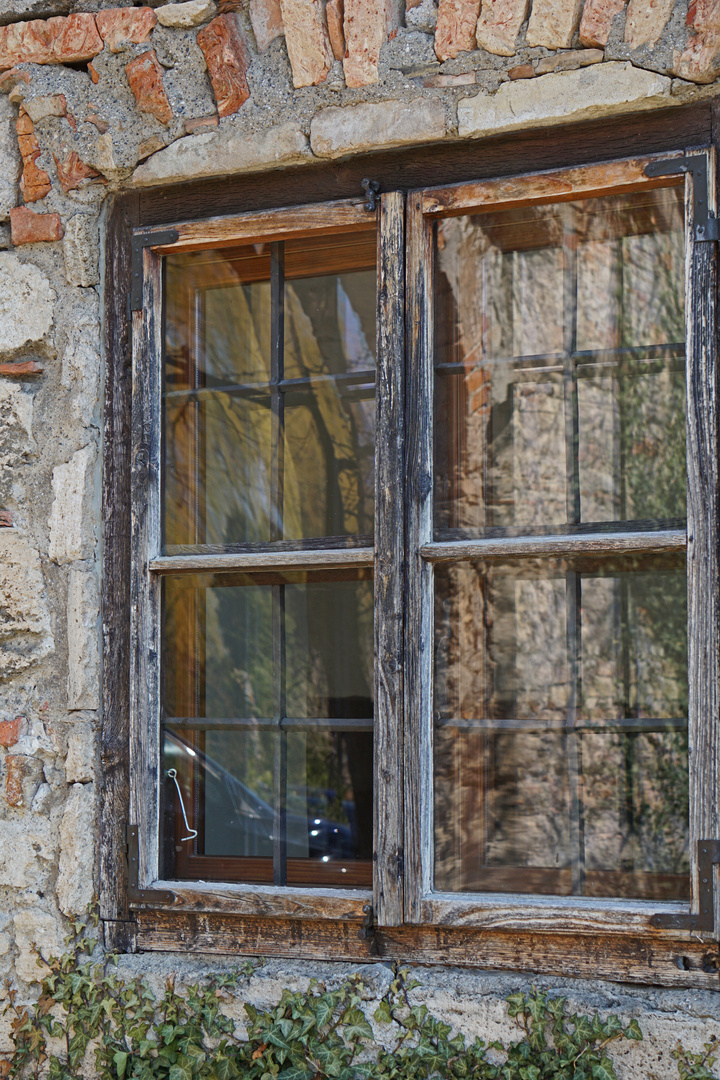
268	900
389	564
418	593
550	546
268	560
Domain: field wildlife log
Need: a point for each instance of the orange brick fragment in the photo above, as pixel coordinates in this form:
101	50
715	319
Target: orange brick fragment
72	171
27	227
6	516
700	59
227	58
11	730
199	123
34	182
522	71
365	28
499	25
145	76
22	367
61	40
335	13
122	26
456	23
596	21
308	43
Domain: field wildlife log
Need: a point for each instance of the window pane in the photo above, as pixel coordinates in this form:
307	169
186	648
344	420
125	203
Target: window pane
268	710
561	727
264	445
560	373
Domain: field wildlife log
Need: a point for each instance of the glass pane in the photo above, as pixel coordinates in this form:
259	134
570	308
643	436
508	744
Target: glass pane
268	707
560	372
262	446
561	727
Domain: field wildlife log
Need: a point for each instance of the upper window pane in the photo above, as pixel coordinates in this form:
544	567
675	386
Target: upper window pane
560	365
269	393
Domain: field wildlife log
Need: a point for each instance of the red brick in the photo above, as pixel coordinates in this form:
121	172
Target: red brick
145	77
62	40
699	61
307	40
123	26
94	77
597	20
499	25
267	22
14	775
227	58
72	171
27	227
335	12
365	28
34	182
455	31
11	730
553	23
100	124
646	20
704	16
523	71
21	368
200	123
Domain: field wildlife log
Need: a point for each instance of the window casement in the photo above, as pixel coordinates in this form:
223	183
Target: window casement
424	574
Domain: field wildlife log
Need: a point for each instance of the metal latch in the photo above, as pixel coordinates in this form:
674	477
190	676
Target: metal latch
705	224
135	894
141	240
708	859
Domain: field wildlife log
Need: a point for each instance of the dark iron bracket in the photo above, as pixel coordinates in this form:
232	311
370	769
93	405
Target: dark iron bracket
372	190
140	241
705	224
135	894
708	859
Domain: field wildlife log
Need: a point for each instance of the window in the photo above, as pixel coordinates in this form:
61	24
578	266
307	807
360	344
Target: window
424	547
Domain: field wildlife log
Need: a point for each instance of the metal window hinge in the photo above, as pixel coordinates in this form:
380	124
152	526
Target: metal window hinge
142	240
371	189
368	931
705	224
708	859
135	894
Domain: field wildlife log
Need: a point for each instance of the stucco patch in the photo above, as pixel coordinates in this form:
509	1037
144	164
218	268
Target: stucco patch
25	635
26	303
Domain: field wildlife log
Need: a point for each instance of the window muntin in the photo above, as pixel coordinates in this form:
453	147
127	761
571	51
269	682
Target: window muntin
269	421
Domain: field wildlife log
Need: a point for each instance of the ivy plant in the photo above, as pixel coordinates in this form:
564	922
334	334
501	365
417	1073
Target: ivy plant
85	1010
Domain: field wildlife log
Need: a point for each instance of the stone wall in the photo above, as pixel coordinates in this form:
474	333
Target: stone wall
96	99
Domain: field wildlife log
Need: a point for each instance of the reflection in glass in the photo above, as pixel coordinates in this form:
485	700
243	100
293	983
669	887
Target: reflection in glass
268	724
561	726
268	443
559	357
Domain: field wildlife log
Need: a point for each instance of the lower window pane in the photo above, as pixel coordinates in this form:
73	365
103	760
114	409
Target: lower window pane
561	727
267	733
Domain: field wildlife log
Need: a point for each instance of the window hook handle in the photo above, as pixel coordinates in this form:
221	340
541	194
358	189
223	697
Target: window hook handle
172	773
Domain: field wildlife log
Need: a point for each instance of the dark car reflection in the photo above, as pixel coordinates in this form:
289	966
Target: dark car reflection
239	823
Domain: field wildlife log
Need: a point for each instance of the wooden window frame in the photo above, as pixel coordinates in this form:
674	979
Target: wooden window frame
487	931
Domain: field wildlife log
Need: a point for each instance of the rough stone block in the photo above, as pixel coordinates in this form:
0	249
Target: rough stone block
83	612
81	251
267	21
77	851
71	535
35	182
600	90
36	931
522	71
25	851
120	27
499	25
25	636
646	20
308	43
80	760
455	31
365	29
338	131
596	21
22	779
199	123
11	730
569	61
699	61
38	108
185	16
10	161
145	76
26	303
224	152
553	23
227	58
50	41
27	227
81	364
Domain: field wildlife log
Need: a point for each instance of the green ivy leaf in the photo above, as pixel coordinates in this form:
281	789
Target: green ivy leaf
632	1031
382	1013
356	1026
120	1059
181	1070
604	1070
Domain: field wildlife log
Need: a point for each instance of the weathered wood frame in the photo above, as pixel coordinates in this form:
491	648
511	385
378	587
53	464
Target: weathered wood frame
422	903
204	922
148	565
